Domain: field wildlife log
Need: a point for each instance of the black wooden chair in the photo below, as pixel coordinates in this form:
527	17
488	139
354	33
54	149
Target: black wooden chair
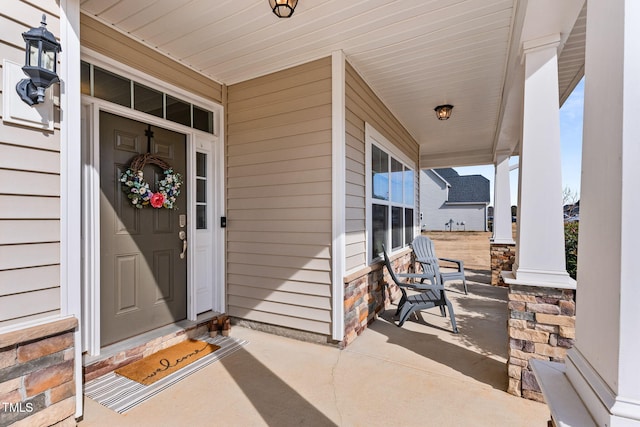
427	296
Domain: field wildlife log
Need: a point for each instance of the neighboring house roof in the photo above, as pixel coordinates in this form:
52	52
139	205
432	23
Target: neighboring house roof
465	189
440	177
446	172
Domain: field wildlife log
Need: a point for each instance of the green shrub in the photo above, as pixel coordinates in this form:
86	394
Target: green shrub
571	247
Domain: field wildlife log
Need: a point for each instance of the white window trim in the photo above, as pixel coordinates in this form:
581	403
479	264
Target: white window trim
372	136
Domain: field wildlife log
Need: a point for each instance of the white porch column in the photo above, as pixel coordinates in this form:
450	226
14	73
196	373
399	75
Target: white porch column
603	366
502	203
540	258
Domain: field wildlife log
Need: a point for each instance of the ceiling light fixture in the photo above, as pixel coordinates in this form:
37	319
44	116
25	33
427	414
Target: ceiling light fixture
443	112
283	8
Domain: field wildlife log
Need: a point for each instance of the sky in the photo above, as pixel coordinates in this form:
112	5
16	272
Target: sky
571	149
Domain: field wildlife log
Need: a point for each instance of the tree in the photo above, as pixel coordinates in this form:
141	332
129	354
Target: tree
570	202
569	197
571	206
571	247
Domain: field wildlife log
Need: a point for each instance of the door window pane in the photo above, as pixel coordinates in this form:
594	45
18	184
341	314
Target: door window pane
380	223
201	191
147	100
111	87
396	181
380	173
178	111
396	227
201	217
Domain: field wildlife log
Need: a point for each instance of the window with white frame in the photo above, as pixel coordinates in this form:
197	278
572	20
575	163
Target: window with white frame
390	199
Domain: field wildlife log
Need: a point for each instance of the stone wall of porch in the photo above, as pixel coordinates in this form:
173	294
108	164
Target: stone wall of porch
37	381
369	291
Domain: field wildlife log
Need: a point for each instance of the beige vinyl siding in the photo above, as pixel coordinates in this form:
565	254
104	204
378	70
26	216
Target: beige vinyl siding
278	164
363	106
109	42
29	191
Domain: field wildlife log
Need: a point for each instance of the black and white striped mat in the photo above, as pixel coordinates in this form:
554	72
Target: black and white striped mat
121	394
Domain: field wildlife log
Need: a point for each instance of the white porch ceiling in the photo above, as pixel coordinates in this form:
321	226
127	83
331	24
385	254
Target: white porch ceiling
415	54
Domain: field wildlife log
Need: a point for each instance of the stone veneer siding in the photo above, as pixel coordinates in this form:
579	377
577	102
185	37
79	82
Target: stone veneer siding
366	294
541	326
108	364
502	258
37	385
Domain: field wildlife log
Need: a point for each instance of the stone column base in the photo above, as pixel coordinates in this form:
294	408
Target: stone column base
503	255
541	326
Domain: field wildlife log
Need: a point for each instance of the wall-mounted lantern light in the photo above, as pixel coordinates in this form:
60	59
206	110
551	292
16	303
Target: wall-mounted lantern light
283	8
40	63
443	112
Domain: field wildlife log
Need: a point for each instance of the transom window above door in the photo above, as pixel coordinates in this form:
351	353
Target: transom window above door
103	84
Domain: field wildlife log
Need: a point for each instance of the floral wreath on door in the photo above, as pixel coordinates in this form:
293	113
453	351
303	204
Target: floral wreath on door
137	189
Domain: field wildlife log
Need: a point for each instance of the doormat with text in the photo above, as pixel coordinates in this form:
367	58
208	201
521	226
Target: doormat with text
121	394
165	362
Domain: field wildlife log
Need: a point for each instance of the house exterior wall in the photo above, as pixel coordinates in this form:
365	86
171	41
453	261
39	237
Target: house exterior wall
433	195
113	44
363	106
364	290
29	193
436	213
278	182
37	345
473	216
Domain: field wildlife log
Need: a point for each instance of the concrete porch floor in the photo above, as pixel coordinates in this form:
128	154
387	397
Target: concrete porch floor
418	375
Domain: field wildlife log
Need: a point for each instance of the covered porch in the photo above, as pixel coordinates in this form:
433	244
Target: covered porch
370	76
315	127
417	375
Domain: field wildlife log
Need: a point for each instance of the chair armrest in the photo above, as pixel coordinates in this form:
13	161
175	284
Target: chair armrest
428	277
413	275
421	286
455	261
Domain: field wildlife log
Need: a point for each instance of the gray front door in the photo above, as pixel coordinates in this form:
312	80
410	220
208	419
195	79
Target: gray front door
143	279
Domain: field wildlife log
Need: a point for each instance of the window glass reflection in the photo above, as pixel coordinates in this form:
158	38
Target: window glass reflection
380	173
379	223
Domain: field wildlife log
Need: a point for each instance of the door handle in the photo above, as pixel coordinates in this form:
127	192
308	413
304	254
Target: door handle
183	236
